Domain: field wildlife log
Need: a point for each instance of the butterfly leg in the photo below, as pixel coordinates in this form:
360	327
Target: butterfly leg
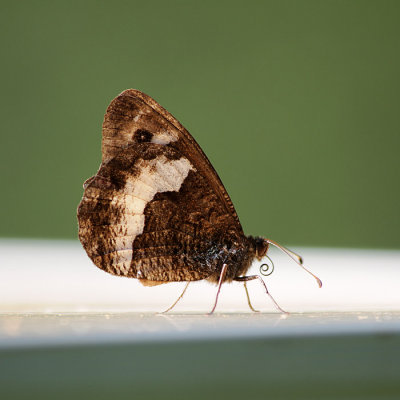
252	277
174	304
240	279
248	298
221	279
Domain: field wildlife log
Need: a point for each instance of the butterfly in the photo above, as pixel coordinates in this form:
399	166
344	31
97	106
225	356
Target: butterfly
157	211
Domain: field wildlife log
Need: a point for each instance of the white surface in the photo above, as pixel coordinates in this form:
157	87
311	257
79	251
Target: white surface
27	330
57	276
52	295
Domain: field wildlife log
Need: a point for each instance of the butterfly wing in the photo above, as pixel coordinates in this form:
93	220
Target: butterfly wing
156	208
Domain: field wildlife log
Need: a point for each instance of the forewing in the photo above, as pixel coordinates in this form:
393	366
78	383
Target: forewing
133	118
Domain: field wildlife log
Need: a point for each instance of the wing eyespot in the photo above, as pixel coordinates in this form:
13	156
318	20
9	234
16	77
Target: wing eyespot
142	136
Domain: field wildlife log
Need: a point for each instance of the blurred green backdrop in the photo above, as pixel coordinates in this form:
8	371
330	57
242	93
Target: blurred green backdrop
295	103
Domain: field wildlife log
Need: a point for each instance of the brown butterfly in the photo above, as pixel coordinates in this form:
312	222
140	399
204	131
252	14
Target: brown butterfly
156	210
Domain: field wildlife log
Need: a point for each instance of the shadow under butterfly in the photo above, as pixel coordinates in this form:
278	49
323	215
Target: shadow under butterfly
157	211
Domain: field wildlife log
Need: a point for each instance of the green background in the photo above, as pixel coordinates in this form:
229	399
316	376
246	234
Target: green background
295	103
329	367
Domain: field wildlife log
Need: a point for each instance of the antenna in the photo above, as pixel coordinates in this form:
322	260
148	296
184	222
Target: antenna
294	257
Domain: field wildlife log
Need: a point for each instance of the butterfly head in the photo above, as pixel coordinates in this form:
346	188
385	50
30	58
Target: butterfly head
262	247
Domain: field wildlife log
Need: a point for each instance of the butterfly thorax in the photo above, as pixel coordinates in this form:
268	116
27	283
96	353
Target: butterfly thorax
238	254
